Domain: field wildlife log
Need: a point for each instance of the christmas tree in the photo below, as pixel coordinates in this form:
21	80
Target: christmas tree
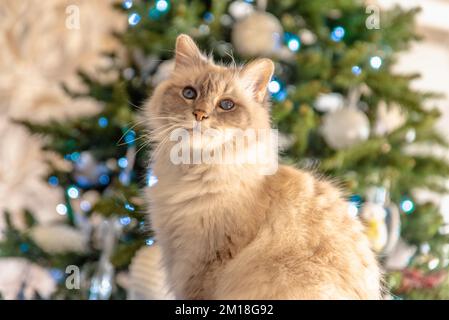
340	109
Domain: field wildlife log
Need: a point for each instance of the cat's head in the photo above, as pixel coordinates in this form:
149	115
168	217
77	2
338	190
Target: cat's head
217	96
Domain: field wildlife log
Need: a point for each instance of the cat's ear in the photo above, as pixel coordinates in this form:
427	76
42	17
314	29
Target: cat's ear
186	52
256	76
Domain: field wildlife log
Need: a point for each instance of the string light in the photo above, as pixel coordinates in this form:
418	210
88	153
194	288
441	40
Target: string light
130	137
129	207
277	90
122	162
85	205
125	220
103	122
356	70
375	62
103	179
53	181
24	247
61	209
208	17
162	5
134	19
73	192
407	205
127	4
292	41
338	34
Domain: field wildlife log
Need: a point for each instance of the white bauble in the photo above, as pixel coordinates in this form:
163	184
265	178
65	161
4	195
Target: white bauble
328	102
259	34
147	277
163	72
345	127
59	238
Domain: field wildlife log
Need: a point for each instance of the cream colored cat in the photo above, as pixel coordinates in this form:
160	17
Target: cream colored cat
225	230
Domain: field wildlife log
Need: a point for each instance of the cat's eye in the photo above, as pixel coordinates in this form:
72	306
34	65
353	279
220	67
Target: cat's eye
189	93
226	104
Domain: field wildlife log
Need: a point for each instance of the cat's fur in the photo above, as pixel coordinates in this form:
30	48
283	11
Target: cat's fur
227	232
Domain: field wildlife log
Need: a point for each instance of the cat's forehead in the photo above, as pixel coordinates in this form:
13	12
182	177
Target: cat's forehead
209	79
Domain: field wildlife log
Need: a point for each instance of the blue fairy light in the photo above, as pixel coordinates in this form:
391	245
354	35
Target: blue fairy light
151	178
85	205
127	4
103	122
125	220
375	62
149	242
277	89
122	162
355	203
124	177
356	70
338	34
162	5
61	209
104	179
208	17
74	156
53	181
73	192
130	137
134	19
292	41
129	207
24	247
56	274
407	205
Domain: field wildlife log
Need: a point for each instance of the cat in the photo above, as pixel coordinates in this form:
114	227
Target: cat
227	231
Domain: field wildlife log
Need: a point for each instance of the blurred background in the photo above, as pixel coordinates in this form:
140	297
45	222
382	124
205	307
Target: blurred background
360	93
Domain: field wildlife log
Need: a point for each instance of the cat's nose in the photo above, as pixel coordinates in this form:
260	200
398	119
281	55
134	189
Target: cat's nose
200	115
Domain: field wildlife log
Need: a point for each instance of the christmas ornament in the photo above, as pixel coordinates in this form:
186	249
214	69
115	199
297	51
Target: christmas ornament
345	127
59	238
259	34
147	276
374	216
381	219
329	102
101	285
240	9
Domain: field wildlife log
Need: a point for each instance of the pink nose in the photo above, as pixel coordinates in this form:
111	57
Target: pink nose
200	115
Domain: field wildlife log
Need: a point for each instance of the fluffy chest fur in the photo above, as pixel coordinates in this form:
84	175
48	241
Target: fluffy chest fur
199	221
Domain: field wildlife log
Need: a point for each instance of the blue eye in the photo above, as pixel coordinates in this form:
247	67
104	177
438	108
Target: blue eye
189	93
226	104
